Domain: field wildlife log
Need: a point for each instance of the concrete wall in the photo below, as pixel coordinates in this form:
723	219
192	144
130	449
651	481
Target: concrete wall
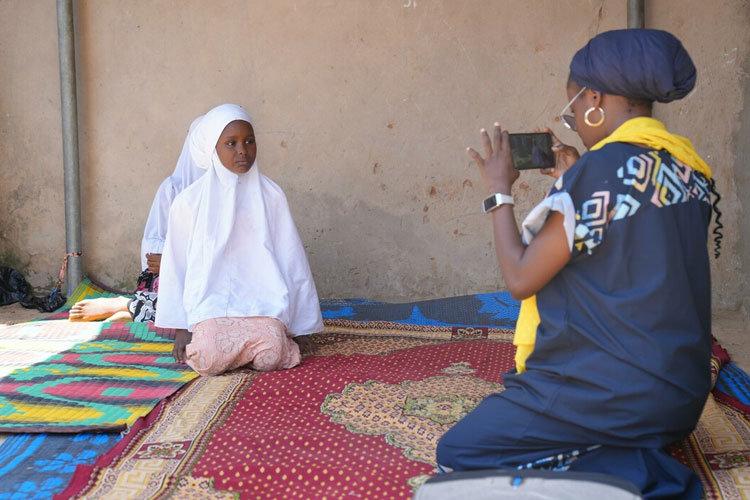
363	110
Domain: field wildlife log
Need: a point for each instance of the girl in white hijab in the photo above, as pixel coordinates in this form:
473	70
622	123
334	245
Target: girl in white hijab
235	281
142	307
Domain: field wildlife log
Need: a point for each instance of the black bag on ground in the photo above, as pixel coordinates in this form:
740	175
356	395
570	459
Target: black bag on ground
15	288
526	485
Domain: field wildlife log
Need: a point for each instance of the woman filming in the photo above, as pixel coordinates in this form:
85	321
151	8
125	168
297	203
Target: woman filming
614	333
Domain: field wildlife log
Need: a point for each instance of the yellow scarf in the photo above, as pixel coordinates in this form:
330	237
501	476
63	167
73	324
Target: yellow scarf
641	130
653	133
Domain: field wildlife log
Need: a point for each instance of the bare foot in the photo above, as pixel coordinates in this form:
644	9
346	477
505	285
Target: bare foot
96	309
120	316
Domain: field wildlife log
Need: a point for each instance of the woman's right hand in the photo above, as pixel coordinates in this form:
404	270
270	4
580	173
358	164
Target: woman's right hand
565	156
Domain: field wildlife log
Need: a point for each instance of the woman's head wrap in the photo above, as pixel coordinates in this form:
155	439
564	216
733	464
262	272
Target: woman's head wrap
635	63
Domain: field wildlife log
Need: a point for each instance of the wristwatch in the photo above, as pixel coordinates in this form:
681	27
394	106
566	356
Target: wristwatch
494	200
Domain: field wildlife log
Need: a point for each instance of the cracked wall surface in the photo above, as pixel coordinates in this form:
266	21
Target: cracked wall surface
363	110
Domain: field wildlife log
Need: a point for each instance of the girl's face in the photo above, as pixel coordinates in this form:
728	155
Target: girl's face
236	147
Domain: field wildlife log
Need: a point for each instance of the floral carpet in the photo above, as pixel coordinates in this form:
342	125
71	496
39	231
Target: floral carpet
359	419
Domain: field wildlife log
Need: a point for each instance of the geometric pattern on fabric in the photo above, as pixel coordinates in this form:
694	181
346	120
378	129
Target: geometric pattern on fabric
149	460
361	418
651	181
104	383
718	451
354	420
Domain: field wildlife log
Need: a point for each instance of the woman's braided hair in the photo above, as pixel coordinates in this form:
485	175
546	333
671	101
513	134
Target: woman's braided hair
718	235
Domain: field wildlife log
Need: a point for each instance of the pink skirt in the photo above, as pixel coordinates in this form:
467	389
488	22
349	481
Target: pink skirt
222	344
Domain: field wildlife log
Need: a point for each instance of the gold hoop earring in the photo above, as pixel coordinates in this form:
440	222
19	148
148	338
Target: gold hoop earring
588	112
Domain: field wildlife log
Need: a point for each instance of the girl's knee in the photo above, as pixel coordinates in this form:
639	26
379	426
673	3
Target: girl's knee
204	365
267	360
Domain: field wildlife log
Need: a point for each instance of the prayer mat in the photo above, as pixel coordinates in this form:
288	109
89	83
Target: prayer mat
361	418
108	375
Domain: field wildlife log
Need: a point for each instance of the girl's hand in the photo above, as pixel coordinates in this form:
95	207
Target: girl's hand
496	166
181	339
306	345
153	262
565	156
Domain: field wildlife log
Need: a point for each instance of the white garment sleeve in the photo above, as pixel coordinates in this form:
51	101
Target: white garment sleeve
558	202
170	310
155	231
304	306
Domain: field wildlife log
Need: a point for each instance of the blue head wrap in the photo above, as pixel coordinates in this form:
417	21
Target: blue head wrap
636	63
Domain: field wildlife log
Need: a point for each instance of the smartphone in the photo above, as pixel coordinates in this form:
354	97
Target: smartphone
532	150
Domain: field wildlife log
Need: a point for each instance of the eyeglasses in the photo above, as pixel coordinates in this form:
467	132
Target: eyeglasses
569	120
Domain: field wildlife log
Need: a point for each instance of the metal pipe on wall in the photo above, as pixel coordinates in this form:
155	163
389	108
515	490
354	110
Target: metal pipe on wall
69	109
636	14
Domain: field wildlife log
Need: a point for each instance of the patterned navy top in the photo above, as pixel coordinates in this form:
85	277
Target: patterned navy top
623	347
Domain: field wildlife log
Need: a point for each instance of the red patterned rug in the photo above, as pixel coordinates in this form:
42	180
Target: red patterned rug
359	420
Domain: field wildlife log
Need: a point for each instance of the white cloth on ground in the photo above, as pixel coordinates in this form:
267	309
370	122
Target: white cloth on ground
232	249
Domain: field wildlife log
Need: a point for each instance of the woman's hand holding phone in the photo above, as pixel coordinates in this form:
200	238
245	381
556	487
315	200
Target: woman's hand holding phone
565	156
496	166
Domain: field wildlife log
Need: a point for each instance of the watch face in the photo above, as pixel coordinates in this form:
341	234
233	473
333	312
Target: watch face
489	202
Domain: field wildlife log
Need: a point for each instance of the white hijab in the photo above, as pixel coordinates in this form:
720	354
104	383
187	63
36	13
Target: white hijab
185	173
232	247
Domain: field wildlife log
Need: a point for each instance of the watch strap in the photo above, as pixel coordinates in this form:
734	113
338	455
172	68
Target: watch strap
495	200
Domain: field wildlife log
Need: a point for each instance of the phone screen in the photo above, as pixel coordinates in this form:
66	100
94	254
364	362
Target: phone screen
532	150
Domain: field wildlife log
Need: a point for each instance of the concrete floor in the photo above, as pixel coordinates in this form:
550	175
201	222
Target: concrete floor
730	328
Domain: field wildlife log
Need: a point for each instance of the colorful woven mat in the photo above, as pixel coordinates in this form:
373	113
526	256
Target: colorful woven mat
57	376
101	384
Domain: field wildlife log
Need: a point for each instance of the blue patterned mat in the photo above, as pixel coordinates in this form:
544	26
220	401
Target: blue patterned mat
36	466
492	310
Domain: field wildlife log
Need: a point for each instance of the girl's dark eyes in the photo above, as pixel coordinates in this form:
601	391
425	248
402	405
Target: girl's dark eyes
233	143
